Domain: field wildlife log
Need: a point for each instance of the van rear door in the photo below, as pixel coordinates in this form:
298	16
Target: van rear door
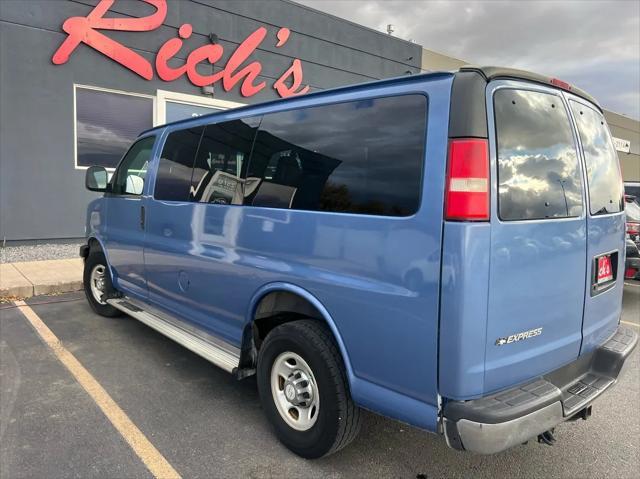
538	235
605	225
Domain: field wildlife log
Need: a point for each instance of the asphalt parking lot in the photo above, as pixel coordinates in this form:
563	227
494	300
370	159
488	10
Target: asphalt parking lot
206	424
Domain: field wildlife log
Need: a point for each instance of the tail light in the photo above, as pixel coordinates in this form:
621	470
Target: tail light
467	196
633	228
560	84
630	273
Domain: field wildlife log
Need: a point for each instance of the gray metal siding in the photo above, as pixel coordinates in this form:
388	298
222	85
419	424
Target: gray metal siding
41	193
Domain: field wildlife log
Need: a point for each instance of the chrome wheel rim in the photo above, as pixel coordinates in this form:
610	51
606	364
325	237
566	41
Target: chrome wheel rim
295	391
96	282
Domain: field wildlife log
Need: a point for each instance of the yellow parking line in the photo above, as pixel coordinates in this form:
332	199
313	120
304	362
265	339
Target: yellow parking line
150	456
630	323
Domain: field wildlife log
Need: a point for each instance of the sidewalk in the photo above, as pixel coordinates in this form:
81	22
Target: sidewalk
32	278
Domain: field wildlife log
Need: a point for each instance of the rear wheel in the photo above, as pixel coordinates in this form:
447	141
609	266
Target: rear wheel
304	391
97	283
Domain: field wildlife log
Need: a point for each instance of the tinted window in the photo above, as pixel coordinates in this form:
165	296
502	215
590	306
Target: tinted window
632	191
107	123
132	171
603	171
222	161
360	157
176	162
538	169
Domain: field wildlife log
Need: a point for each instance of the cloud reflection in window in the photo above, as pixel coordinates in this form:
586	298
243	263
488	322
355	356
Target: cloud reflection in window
538	170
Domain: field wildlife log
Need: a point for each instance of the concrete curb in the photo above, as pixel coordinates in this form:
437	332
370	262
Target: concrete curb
32	278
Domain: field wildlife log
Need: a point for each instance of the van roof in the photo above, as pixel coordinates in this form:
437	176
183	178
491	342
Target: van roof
320	93
487	72
494	73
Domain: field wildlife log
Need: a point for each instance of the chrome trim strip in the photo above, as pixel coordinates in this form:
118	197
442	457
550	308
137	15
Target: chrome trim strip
212	349
193	330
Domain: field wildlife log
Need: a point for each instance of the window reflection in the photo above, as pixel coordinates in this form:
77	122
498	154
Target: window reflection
603	173
360	157
176	162
107	123
538	169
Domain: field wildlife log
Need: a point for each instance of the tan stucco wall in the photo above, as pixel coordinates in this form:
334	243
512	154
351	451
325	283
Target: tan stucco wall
627	129
432	61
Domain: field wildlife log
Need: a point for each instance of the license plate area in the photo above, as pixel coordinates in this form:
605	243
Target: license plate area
604	271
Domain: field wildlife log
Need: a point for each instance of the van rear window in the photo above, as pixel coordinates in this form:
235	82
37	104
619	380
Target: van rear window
603	172
538	169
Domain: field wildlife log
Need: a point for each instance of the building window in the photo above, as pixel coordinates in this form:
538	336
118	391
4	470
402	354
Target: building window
107	122
173	106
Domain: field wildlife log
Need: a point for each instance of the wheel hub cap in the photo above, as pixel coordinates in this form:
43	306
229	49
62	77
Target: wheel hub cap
298	389
294	391
290	392
97	282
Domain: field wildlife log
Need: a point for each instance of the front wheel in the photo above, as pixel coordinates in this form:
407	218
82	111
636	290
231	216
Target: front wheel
304	391
97	282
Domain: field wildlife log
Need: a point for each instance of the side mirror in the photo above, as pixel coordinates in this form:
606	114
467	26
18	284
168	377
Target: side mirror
96	178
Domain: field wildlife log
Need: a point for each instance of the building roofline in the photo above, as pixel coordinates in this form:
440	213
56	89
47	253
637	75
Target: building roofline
363	27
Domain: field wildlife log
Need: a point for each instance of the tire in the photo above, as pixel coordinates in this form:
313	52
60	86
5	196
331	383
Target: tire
337	419
96	261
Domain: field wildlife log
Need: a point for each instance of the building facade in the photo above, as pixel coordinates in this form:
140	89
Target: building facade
626	134
79	79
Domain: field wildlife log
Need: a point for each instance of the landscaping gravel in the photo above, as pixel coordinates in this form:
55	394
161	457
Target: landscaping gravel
37	252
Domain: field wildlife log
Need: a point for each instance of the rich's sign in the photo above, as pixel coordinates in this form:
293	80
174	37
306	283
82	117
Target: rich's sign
85	30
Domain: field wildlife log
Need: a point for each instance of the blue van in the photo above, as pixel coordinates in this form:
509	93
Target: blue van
443	249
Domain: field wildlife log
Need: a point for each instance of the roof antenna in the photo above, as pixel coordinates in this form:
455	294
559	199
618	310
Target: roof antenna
390	29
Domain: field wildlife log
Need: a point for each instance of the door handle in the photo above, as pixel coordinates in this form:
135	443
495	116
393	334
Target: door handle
142	217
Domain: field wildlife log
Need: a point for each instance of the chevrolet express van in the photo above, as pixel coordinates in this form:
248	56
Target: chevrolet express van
444	249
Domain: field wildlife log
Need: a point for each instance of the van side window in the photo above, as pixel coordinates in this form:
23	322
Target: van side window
222	161
132	171
176	162
538	169
603	172
362	156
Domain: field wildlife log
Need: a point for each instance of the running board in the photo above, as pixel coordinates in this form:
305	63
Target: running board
223	357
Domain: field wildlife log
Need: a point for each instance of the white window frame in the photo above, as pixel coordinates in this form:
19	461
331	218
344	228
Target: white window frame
108	90
163	96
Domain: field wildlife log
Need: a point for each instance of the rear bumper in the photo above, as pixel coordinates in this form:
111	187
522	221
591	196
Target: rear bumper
500	421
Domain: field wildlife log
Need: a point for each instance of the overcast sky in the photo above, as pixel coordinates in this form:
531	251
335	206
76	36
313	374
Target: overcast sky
592	44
